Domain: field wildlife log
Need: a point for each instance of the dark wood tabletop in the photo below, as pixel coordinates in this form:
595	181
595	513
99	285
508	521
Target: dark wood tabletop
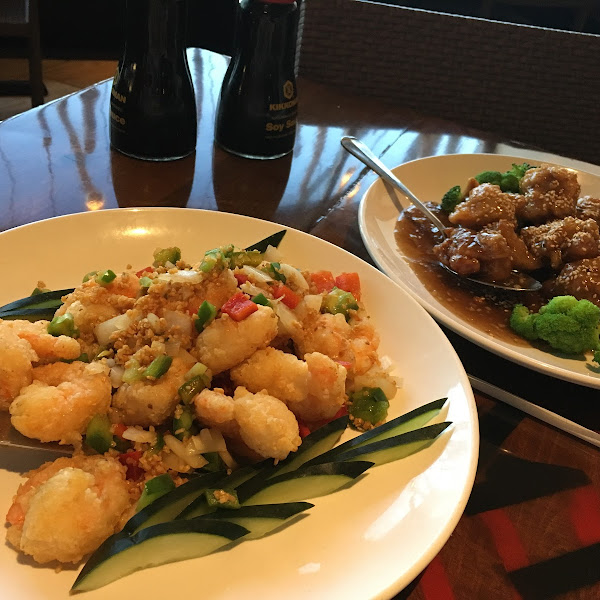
531	528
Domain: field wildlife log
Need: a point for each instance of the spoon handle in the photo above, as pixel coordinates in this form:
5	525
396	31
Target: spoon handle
360	151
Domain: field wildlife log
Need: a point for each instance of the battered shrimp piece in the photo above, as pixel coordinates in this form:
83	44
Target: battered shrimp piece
61	401
16	370
148	403
327	334
326	389
261	421
267	426
47	347
313	388
68	507
225	343
283	375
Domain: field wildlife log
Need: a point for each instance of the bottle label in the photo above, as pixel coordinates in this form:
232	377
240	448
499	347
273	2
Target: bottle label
282	115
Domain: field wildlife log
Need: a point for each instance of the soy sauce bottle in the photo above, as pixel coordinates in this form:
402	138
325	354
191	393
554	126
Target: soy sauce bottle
152	104
256	117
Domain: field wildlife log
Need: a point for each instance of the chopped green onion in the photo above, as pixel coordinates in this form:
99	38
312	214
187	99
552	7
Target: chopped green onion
89	276
274	269
159	444
158	367
155	488
198	369
162	256
63	325
133	372
215	462
206	313
145	282
261	299
191	388
182	425
105	277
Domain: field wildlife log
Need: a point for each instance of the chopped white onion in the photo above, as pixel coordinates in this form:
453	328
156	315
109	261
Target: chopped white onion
205	442
103	331
172	347
186	452
228	459
180	320
312	302
256	275
251	289
294	278
272	254
153	321
139	435
288	323
187	276
116	376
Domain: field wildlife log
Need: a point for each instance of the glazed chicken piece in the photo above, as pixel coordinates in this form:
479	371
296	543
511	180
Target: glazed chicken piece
522	258
486	204
485	253
549	193
588	208
564	240
580	278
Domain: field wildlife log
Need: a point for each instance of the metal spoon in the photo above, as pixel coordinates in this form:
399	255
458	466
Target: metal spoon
518	282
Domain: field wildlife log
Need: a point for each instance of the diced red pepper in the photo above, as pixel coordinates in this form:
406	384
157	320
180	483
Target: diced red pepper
131	460
349	282
287	295
141	272
323	281
119	430
239	306
241	277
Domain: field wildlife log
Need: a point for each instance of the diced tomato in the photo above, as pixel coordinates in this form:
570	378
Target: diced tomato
241	277
303	429
131	460
119	430
141	272
239	306
349	282
323	281
288	296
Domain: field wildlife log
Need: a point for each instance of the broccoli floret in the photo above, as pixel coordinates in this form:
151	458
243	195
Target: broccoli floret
509	181
451	198
567	324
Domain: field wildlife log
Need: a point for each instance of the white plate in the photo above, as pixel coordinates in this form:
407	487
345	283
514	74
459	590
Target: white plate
367	541
429	178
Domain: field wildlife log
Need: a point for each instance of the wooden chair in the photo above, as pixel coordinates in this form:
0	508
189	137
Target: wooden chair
20	19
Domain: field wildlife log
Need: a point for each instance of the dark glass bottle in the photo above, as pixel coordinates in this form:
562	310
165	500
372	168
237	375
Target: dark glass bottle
152	104
257	110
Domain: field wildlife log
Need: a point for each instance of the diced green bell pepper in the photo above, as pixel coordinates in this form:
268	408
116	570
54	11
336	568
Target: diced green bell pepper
63	325
98	435
369	404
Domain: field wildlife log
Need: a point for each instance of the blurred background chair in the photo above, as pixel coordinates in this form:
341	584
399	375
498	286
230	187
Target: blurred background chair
526	84
20	19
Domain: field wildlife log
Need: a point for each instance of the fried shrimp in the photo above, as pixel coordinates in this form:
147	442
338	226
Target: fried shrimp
16	370
225	343
68	507
313	388
148	402
262	422
48	348
61	401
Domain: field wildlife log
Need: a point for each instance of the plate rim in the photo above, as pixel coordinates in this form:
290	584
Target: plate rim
470	333
443	534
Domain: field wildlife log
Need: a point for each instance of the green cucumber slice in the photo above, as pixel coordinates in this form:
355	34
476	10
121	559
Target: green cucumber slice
166	507
259	519
30	307
407	422
305	482
121	555
272	240
395	448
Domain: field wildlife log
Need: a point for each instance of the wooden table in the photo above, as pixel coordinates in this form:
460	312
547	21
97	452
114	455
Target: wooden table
531	528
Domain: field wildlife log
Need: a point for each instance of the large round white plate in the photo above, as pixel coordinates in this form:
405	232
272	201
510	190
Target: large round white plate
366	541
429	178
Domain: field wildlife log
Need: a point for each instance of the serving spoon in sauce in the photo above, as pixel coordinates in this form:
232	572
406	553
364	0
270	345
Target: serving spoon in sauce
518	282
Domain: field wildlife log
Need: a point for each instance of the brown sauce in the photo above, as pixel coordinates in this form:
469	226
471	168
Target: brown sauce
488	312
